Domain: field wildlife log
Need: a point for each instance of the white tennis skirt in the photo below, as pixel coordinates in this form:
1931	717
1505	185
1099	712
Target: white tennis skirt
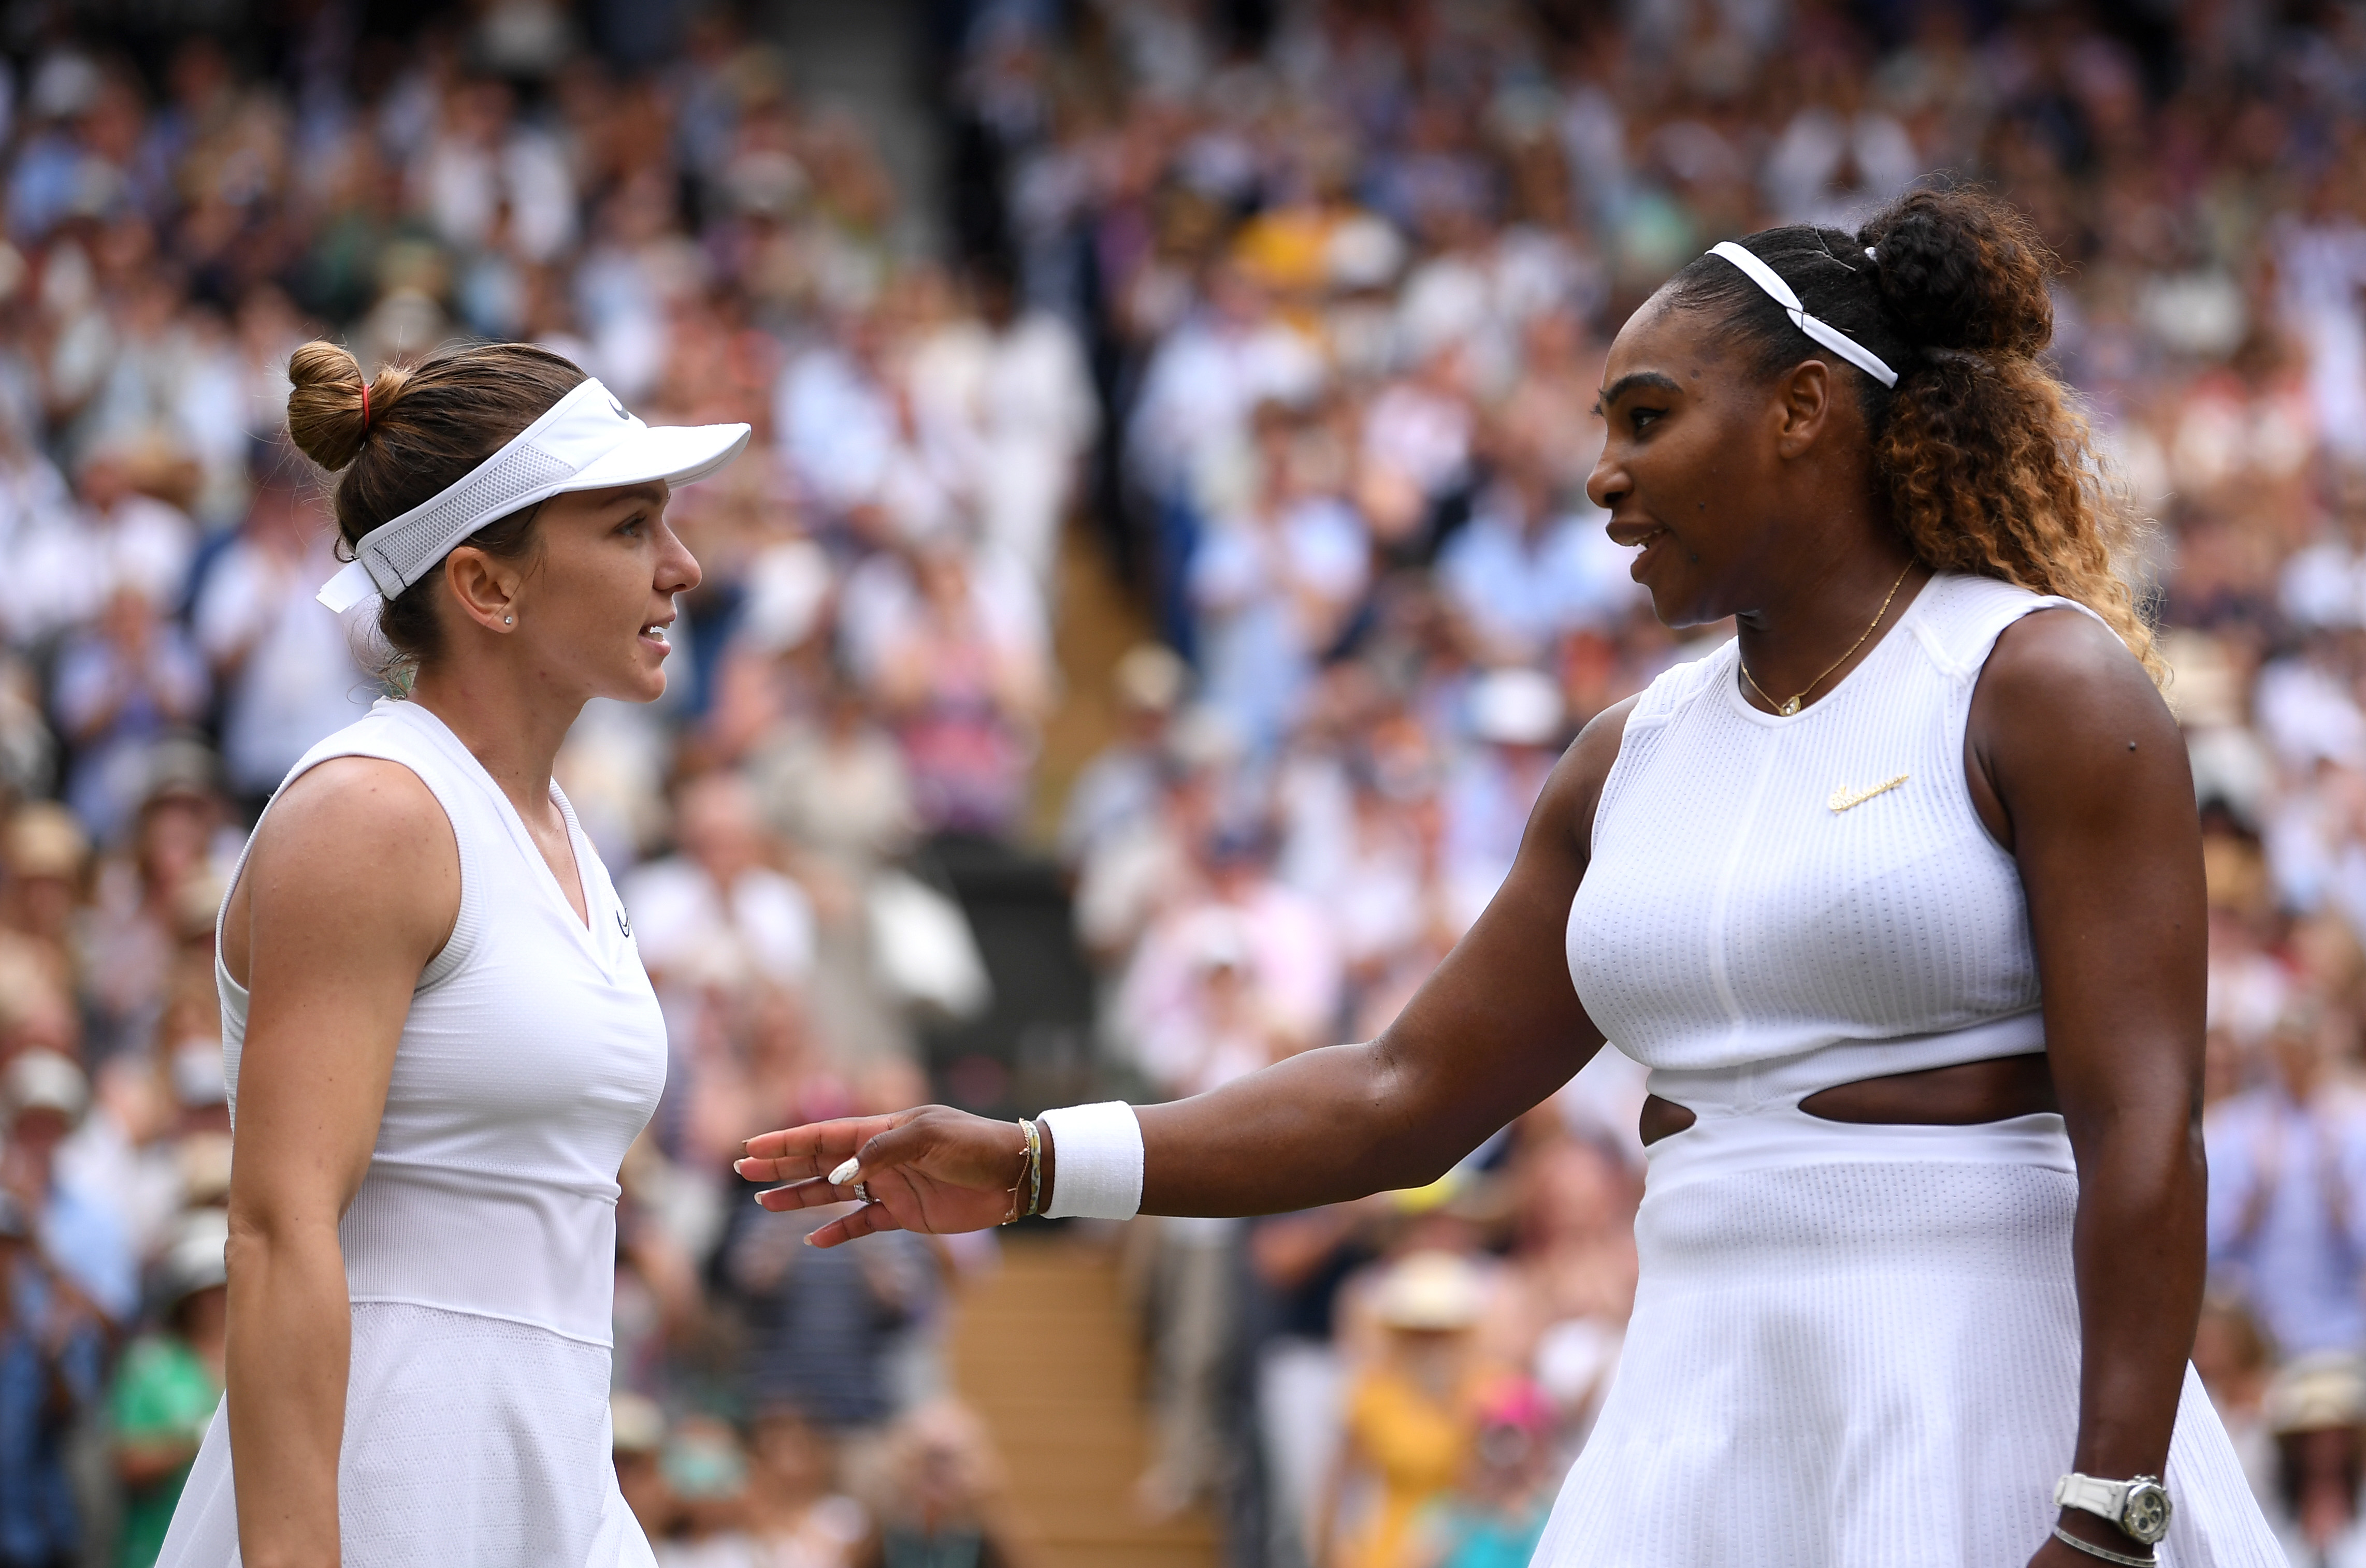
1856	1346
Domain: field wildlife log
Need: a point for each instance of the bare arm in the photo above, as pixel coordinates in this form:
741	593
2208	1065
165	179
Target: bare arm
1495	1030
2097	801
353	886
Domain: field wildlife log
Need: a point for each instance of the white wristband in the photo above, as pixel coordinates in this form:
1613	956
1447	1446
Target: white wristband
1095	1161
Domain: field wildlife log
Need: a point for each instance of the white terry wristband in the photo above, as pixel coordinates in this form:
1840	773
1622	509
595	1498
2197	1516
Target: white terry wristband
1097	1161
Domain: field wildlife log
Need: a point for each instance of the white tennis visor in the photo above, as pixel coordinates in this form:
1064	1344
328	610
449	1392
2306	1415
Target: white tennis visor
586	441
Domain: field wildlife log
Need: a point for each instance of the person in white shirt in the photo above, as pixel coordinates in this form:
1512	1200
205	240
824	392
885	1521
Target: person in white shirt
288	671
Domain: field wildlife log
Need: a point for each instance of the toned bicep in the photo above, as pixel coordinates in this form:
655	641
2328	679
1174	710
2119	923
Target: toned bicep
1499	1027
2092	774
353	886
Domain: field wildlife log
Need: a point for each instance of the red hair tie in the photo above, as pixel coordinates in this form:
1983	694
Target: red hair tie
366	408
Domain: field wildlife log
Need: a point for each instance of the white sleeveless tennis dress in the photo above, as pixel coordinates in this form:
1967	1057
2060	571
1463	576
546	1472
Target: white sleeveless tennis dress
480	1250
1852	1347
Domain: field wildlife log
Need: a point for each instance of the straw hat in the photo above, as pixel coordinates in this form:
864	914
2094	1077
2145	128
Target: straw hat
44	840
1435	1291
2319	1393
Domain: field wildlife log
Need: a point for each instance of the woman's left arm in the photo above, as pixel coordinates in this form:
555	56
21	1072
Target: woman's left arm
2090	789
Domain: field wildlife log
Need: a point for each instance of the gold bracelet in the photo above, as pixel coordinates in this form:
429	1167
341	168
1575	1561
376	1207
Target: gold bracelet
1034	1167
1010	1214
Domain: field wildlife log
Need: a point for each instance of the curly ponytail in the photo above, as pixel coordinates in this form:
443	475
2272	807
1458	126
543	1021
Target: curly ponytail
1989	464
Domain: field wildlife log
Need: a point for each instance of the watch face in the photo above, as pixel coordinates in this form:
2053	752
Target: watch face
2147	1514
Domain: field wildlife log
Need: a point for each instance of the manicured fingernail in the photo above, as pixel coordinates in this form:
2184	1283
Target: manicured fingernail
846	1173
806	1238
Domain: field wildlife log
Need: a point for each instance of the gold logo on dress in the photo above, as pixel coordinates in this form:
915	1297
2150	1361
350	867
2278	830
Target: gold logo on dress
1843	797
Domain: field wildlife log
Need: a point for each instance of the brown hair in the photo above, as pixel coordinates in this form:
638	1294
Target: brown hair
407	434
1988	463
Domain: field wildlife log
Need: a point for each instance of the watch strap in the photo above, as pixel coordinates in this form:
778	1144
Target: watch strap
2105	1499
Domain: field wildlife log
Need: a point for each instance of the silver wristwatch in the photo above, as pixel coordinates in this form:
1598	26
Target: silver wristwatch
2139	1508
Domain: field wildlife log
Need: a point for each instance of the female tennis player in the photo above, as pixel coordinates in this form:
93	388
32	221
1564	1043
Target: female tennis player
439	1036
1898	895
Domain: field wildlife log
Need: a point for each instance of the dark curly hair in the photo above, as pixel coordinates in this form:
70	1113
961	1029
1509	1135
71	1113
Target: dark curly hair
1989	464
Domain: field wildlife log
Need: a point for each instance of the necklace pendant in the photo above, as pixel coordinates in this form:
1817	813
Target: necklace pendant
1789	708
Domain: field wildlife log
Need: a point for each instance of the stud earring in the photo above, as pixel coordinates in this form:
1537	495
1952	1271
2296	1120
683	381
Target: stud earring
509	620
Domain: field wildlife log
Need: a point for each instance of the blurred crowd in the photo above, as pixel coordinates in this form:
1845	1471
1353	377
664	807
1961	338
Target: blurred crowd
1264	333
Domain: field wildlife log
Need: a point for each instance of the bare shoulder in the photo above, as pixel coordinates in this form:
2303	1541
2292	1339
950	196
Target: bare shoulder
360	847
2066	724
2065	664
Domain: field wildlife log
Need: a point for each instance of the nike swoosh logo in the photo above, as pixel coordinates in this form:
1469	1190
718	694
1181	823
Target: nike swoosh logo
1843	797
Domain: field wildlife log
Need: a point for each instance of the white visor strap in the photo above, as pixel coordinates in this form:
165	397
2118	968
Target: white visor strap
585	441
1823	332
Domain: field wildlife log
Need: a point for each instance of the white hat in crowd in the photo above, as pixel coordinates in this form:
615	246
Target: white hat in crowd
1516	707
45	1081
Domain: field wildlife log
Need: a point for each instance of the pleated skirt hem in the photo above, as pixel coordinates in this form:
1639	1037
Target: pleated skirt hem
1859	1364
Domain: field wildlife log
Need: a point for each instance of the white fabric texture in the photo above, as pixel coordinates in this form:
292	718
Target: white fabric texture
1852	1346
1747	943
480	1250
585	442
1853	1364
1097	1156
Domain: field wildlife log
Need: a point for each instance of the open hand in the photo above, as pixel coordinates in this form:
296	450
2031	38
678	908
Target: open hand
933	1169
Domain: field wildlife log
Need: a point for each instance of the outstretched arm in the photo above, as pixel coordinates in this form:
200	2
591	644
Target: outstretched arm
1495	1030
2097	801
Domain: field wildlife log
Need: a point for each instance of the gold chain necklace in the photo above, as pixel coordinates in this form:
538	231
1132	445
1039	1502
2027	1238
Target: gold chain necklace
1787	709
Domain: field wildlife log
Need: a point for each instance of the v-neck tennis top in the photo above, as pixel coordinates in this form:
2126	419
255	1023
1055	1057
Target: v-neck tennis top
532	1057
1778	905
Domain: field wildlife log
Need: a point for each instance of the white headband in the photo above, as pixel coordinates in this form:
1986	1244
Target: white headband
1816	327
585	441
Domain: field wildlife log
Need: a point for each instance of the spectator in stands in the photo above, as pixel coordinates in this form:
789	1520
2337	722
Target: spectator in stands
84	1240
795	1514
137	928
824	1326
2316	1408
1495	1516
46	856
120	542
637	1428
1411	1415
966	686
1575	1272
2288	1186
1121	785
131	680
169	1384
286	671
718	905
2235	1362
707	1477
938	1495
1274	580
50	1350
1528	569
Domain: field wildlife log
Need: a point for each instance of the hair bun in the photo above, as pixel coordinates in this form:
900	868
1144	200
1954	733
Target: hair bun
1962	271
330	408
